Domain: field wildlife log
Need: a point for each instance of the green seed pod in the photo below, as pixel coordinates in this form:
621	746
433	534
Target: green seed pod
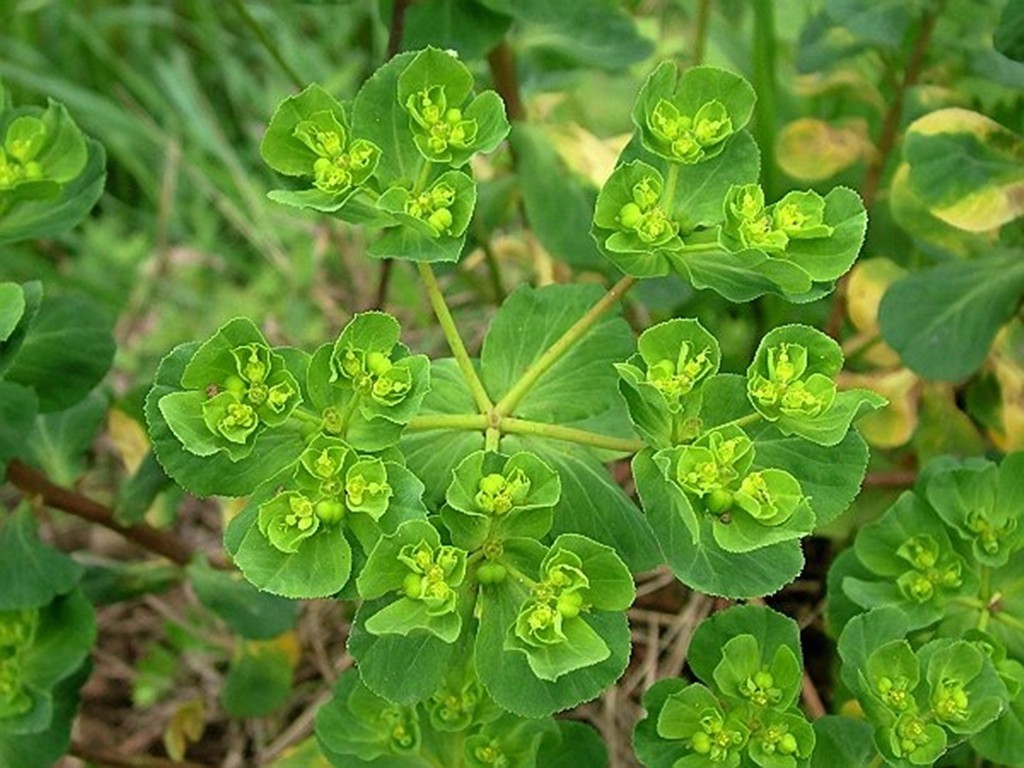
330	511
630	215
570	604
412	585
719	501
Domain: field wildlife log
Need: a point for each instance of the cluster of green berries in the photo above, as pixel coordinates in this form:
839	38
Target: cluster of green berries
433	207
689	138
498	494
374	374
928	569
24	140
645	217
433	575
439	127
786	389
337	167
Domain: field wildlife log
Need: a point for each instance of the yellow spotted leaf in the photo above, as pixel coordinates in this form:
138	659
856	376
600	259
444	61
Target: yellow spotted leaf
810	149
894	424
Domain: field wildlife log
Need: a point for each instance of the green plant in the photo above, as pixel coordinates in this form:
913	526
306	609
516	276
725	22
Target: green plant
486	528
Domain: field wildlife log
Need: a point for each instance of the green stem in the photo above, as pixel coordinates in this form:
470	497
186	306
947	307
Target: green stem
492	440
1009	620
876	762
452	421
451	333
569	434
669	192
554	353
764	85
742	421
700	31
423	178
516	574
305	414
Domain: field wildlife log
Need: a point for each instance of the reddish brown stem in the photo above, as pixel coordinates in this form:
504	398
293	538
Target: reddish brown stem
114	760
812	699
886	142
502	63
896	478
34	483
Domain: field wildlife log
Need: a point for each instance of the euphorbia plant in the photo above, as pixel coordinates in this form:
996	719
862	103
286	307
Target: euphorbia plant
465	501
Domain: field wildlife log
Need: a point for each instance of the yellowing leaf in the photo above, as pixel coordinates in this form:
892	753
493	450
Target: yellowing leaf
809	149
129	438
967	168
589	156
868	282
186	727
894	424
1007	363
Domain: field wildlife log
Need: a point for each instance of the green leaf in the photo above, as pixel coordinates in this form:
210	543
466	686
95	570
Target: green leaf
18	406
559	205
281	149
461	25
254	615
587	486
653	750
138	492
426	659
59	440
1002	742
258	681
771	631
45	748
862	635
380	117
68	350
408	244
272	452
12	307
1008	38
579	744
434	454
33	573
508	675
942	320
32	295
580	385
688	544
576	34
610	586
29	219
696	88
63	638
581	648
966	168
319	567
405	616
842	742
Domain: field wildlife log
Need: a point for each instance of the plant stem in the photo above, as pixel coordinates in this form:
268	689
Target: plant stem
33	483
764	85
492	439
891	121
742	421
669	192
267	42
423	177
552	355
569	434
700	31
471	422
395	31
451	333
502	64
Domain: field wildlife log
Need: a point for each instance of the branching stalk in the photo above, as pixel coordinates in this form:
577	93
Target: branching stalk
554	353
451	333
34	483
